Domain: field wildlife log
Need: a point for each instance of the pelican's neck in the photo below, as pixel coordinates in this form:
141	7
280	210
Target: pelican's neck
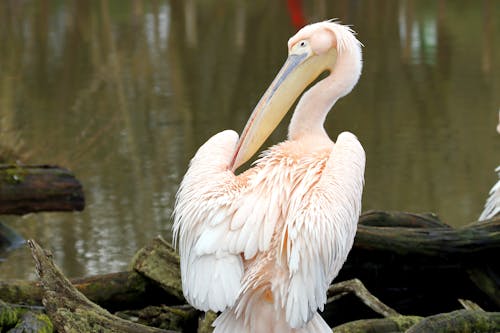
309	115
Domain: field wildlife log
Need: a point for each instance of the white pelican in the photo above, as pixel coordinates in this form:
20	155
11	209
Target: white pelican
492	205
264	245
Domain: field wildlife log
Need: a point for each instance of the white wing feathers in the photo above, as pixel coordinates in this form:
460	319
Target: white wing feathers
321	227
214	226
210	276
492	205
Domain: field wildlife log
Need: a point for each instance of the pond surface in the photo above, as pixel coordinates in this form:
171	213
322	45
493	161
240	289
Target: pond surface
123	93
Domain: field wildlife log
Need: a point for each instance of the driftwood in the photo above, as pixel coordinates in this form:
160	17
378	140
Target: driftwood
180	318
379	325
160	263
114	291
410	266
460	321
27	189
414	282
444	243
23	319
69	310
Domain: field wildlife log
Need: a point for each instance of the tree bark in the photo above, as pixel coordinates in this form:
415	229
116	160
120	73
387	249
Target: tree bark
378	325
38	188
421	270
443	243
69	310
114	291
160	263
460	321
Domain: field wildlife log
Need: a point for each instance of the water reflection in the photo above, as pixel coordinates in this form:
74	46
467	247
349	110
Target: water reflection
124	92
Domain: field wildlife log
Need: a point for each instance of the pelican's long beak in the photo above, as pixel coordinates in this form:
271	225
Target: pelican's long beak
300	69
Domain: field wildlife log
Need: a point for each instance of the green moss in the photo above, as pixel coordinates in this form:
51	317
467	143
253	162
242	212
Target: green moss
205	324
405	322
48	326
389	324
14	175
8	315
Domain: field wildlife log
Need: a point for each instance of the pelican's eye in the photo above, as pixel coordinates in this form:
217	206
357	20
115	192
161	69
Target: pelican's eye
302	43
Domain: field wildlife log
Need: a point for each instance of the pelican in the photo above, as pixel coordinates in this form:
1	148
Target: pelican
263	246
492	205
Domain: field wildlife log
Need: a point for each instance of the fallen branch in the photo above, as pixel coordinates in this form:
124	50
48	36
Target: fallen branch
21	319
450	244
69	310
114	291
27	189
460	321
382	325
356	286
410	281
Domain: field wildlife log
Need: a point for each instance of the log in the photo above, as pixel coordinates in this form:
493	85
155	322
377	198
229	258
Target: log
9	316
180	318
410	266
31	322
114	291
460	321
379	325
443	244
38	188
379	218
407	279
23	319
205	322
160	263
69	310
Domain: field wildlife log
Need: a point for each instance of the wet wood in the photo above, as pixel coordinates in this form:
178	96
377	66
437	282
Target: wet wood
22	319
160	263
410	266
38	188
357	287
69	310
460	321
114	291
421	281
180	318
379	218
33	322
378	325
443	243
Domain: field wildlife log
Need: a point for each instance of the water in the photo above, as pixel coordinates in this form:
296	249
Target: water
123	93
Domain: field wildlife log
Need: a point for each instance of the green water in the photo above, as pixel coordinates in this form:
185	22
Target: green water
123	93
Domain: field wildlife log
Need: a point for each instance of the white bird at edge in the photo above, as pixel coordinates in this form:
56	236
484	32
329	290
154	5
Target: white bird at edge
263	246
492	205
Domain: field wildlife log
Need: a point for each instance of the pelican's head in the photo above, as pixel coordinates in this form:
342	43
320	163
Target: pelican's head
314	49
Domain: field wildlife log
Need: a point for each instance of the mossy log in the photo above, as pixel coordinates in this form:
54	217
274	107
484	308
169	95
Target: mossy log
441	243
69	310
38	188
23	319
114	291
160	263
378	325
410	266
409	280
380	218
180	318
31	322
460	321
